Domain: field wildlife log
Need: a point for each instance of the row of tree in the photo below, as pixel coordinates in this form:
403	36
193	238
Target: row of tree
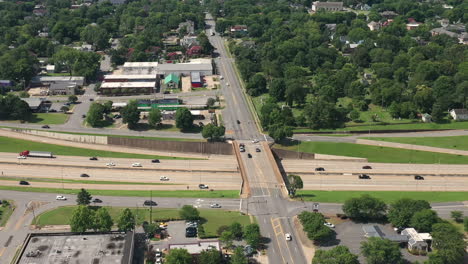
13	108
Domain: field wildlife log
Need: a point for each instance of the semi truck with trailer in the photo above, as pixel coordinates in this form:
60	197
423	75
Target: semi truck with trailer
37	154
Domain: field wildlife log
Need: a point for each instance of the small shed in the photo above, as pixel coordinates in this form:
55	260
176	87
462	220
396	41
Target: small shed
172	81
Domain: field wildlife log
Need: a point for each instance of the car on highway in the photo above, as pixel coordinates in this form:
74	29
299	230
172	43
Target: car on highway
221	77
45	126
60	198
329	225
319	169
257	150
96	200
84	175
367	167
418	177
21	157
155	161
203	186
93	158
249	155
288	237
163	178
91	99
215	205
24	183
190	231
238	122
136	164
110	164
255	141
364	177
149	203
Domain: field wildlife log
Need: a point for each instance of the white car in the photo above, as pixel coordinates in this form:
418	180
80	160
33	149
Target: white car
329	225
227	84
215	205
21	157
110	164
255	141
158	261
61	198
221	77
163	178
136	164
288	237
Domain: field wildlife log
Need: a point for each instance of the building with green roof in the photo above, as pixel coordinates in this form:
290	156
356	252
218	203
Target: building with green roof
172	81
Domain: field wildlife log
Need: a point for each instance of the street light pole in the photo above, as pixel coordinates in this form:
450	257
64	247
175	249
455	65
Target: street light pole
151	206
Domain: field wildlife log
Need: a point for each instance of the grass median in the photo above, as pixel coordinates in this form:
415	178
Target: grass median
454	142
213	218
17	145
386	196
34	179
133	193
376	153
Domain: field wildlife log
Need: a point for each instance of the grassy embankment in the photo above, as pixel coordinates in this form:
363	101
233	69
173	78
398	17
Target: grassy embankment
34	179
454	142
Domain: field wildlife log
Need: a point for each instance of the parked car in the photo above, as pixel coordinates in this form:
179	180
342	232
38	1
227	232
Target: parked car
158	253
364	177
203	186
83	116
24	183
84	175
93	158
61	198
52	111
21	157
418	177
191	224
319	169
249	155
221	77
163	178
215	205
149	203
91	99
257	150
238	122
110	164
155	161
117	116
96	200
242	150
45	126
190	231
329	225
367	167
162	225
136	164
288	237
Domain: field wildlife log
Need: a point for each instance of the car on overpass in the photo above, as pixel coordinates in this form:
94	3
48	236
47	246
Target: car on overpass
203	186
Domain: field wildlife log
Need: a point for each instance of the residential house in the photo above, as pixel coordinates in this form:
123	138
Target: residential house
463	38
327	6
374	25
85	47
189	27
426	118
189	41
417	241
412	24
459	114
171	41
174	55
50	68
443	31
388	14
35	104
362	7
194	51
40	12
239	30
172	81
444	22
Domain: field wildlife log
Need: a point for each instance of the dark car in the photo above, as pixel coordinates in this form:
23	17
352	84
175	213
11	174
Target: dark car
84	175
45	126
91	99
364	177
24	183
96	200
83	116
249	155
52	111
418	177
150	203
190	232
367	167
238	122
257	150
319	169
155	161
117	116
200	124
93	158
202	186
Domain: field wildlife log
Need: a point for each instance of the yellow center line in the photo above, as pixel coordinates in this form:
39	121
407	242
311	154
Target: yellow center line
277	241
287	244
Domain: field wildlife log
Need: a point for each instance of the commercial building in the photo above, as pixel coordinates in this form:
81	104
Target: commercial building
327	6
140	67
62	88
58	248
130	78
375	231
197	247
417	241
127	88
203	66
196	79
35	104
47	80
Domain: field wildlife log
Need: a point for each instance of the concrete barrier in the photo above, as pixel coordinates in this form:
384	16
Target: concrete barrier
245	188
279	177
101	140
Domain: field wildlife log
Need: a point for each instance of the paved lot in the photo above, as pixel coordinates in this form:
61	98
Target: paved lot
350	234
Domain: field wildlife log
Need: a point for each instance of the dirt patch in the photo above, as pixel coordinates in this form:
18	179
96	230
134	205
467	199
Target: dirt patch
186	84
307	246
211	81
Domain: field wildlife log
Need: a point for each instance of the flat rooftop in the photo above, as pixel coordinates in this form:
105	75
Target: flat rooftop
130	76
91	248
197	247
128	85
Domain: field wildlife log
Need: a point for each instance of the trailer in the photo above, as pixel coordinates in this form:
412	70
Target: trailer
38	154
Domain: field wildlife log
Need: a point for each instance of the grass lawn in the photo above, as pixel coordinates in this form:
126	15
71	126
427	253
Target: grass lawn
17	145
386	196
136	193
378	154
455	142
45	118
5	212
213	218
33	179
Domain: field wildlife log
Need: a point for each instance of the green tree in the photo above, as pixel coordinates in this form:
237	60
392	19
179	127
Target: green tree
402	210
80	219
66	58
107	107
210	256
457	216
277	89
130	114
83	197
279	132
379	251
126	220
207	48
339	254
239	257
23	94
213	132
236	229
95	35
64	108
179	256
227	237
188	212
365	207
72	99
102	220
95	114
154	117
183	118
295	183
447	243
256	85
252	235
354	115
424	219
210	102
313	224
437	112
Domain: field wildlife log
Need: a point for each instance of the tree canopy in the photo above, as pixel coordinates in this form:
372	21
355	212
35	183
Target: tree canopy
339	254
365	207
378	250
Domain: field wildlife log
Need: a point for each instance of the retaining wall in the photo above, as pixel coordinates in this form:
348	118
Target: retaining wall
102	140
288	154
